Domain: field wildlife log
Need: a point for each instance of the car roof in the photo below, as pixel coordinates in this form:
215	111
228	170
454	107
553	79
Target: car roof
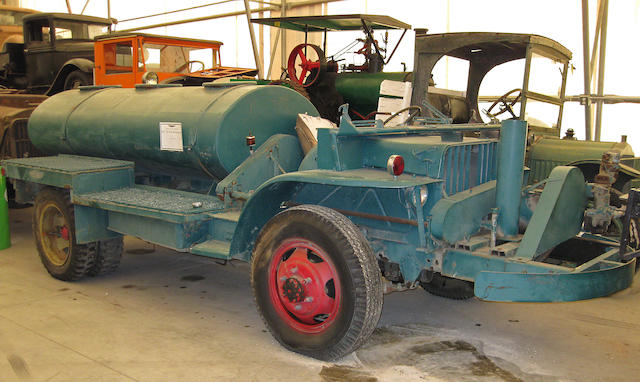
475	46
70	17
149	35
333	22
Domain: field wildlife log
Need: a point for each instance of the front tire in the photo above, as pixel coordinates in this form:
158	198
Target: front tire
76	79
54	232
316	282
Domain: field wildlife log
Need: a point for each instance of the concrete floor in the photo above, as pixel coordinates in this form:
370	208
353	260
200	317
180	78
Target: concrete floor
165	316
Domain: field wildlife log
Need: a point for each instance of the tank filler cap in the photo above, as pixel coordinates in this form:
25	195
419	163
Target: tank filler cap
97	87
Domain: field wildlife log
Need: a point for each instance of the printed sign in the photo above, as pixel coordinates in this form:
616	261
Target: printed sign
171	136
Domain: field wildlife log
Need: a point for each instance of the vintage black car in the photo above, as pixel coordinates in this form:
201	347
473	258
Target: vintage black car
57	53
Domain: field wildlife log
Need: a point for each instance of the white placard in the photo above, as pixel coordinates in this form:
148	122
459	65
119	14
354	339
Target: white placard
392	105
171	136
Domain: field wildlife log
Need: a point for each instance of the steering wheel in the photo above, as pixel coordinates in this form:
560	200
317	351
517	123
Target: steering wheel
310	70
506	105
189	64
416	110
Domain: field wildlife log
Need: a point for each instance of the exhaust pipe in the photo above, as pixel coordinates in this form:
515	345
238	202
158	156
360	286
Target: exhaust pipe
513	136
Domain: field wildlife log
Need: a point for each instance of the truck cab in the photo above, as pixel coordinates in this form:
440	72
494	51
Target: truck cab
530	71
127	59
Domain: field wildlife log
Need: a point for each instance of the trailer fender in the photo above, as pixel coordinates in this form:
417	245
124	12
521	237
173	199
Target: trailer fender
82	64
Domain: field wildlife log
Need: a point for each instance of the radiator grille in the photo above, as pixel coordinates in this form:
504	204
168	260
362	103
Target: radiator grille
468	166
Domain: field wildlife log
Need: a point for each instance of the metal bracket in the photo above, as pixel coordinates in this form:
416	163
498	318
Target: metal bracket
437	117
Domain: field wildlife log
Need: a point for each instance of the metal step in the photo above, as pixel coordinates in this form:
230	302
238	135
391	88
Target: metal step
223	225
213	248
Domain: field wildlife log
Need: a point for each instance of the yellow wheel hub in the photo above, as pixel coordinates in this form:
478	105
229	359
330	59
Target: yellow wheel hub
54	234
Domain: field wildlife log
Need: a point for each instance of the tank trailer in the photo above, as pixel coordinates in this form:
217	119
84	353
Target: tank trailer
218	171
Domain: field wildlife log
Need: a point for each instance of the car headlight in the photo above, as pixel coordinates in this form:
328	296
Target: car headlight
150	78
423	195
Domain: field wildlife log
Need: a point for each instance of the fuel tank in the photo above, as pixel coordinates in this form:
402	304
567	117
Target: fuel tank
203	128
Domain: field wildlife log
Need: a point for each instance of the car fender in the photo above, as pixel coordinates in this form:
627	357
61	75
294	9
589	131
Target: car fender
271	198
81	64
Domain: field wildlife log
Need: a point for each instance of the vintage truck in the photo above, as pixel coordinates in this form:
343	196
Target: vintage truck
57	53
218	171
127	59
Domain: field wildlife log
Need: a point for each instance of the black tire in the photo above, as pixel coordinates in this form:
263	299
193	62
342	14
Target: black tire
108	255
356	284
448	287
634	238
77	78
54	232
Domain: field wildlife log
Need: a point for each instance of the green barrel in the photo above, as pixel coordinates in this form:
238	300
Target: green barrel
5	235
362	90
125	124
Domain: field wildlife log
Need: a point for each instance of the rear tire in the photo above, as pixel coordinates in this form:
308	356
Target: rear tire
316	282
108	256
54	232
448	287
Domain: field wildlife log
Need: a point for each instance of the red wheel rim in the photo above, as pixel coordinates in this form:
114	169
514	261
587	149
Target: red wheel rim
306	65
304	286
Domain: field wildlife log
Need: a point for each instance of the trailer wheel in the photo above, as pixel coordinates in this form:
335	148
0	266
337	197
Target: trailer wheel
76	79
448	287
108	255
54	232
316	282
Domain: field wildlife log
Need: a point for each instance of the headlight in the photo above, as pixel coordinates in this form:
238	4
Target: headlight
150	78
423	194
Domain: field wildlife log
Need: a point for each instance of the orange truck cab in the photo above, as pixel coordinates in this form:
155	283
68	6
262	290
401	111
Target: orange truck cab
123	59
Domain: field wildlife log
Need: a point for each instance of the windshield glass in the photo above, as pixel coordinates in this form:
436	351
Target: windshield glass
177	59
545	78
71	30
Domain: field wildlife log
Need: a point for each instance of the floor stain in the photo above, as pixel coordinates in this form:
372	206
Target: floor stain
424	354
19	366
192	278
604	321
63	289
128	286
337	373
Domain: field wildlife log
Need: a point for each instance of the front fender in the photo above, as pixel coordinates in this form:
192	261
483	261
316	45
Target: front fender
270	197
82	64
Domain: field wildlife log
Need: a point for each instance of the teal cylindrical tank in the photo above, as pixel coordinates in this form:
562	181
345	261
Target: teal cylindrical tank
361	90
125	123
